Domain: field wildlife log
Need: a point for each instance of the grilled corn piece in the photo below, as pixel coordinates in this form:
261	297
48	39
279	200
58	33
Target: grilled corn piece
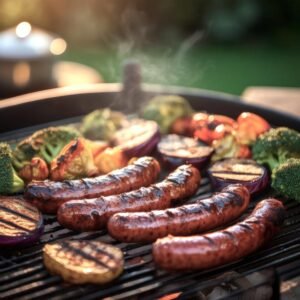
83	261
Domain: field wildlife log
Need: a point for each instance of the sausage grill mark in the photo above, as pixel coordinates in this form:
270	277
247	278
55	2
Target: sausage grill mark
49	195
233	243
93	214
188	219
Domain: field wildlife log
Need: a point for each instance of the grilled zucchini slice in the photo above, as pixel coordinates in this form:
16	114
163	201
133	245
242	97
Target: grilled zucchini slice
83	261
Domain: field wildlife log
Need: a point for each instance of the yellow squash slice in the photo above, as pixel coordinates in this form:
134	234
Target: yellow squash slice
83	261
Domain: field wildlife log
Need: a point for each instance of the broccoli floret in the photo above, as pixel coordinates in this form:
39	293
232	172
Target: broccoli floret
276	146
10	182
166	109
101	124
286	178
45	143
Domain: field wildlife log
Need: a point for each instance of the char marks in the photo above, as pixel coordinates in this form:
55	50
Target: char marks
80	252
17	213
14	225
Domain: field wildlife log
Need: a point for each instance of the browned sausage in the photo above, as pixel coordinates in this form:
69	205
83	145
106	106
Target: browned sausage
93	214
224	246
49	195
184	220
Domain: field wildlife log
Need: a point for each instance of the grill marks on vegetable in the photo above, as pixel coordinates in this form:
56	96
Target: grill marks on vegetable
80	261
245	171
88	252
17	217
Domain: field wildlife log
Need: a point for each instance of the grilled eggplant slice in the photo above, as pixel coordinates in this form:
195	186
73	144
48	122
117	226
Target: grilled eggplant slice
84	261
20	223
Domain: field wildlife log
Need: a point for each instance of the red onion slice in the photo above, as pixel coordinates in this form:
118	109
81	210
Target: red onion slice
20	223
244	171
137	139
176	150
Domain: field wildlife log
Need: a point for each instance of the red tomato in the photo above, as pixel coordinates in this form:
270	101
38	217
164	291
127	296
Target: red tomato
220	119
212	127
243	152
250	126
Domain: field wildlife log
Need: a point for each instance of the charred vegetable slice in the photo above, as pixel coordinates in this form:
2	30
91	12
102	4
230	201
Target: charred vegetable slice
245	171
176	150
84	261
139	138
20	222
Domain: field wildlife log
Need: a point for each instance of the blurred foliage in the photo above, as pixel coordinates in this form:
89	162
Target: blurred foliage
142	21
215	44
227	68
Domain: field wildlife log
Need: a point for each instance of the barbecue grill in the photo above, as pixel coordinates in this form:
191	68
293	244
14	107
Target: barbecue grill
22	273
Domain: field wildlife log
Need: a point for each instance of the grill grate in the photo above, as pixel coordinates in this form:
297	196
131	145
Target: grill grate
23	276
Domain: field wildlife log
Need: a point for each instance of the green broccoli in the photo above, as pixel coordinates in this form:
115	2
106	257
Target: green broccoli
45	143
276	146
10	182
286	178
166	109
101	124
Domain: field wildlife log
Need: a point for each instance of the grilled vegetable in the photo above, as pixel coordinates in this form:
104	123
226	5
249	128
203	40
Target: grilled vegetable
249	127
137	139
45	143
228	147
245	171
84	261
276	146
165	110
101	124
177	150
208	128
37	169
20	223
286	179
74	161
110	159
97	147
10	182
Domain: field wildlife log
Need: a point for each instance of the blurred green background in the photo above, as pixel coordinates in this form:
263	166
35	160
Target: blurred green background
223	45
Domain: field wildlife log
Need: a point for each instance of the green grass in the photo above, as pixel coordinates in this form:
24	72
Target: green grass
223	68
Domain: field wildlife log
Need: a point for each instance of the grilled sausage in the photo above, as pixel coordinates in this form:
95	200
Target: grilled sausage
93	214
49	195
184	220
224	246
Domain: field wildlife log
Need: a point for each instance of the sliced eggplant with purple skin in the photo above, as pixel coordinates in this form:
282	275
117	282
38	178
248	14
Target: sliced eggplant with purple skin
237	170
21	223
137	139
176	150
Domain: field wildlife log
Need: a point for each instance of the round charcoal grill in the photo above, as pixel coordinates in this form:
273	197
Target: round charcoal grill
22	274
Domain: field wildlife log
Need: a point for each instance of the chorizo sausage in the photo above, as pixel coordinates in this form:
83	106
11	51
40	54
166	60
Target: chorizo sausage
49	195
224	246
184	220
93	214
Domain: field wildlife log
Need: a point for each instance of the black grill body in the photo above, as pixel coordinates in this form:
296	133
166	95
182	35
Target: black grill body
23	276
